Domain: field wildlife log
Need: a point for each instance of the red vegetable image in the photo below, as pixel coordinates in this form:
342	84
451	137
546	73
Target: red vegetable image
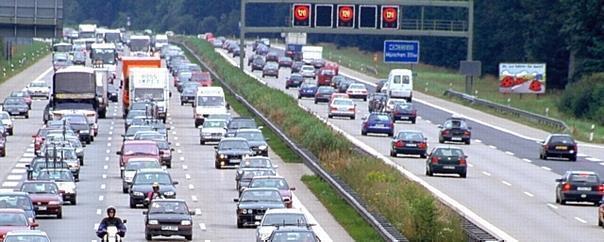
519	81
507	81
535	86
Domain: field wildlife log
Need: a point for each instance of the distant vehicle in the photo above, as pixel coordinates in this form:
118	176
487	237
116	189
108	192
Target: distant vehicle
16	106
61	48
341	107
64	180
278	217
270	69
137	149
324	76
295	80
7	122
377	102
307	71
255	139
447	160
2	144
378	123
253	203
258	63
579	186
38	89
285	61
272	57
296	66
559	145
404	111
209	100
238	123
45	197
23	94
133	166
142	181
79	58
409	142
249	174
307	89
60	60
400	84
277	182
212	130
455	129
357	90
19	200
323	94
254	162
391	103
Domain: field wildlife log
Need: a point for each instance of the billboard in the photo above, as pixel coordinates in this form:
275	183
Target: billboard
522	78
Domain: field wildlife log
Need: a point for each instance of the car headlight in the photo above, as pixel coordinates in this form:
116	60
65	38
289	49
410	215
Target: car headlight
137	194
185	222
223	156
153	222
84	131
244	211
250	211
262	147
54	203
170	193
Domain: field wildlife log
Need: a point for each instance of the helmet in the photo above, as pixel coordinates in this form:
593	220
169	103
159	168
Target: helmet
155	185
111	209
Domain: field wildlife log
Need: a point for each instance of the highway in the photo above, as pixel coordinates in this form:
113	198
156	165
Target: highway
507	184
208	191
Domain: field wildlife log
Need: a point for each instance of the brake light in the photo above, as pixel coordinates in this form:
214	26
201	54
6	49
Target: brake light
601	188
566	186
434	160
446	132
350	109
423	145
462	160
466	133
400	143
333	109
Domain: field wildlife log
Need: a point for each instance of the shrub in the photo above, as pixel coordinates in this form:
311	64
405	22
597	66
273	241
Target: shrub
585	98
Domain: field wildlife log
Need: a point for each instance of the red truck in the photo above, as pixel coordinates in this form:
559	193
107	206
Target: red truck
324	76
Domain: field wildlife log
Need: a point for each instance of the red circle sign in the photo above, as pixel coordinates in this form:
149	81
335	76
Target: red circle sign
301	12
390	15
346	13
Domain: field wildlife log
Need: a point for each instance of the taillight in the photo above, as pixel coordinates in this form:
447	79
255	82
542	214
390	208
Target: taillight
462	160
423	145
466	133
601	188
566	186
333	109
400	143
392	125
414	112
434	160
350	109
446	132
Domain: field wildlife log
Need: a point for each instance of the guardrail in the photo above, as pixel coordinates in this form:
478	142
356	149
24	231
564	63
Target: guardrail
533	117
386	230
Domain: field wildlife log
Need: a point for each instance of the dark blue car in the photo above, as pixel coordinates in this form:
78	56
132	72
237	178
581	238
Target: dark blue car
307	89
380	123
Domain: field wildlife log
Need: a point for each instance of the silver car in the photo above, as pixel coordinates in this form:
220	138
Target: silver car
7	121
342	107
38	89
212	130
308	71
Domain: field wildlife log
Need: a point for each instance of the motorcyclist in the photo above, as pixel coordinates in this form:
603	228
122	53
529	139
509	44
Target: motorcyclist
155	194
111	220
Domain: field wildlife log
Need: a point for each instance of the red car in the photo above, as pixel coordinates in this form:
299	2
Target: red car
333	66
203	78
137	148
14	219
39	138
45	196
324	76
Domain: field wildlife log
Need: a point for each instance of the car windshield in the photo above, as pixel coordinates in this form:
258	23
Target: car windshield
166	206
14	101
251	136
587	177
210	101
155	94
455	124
379	117
51	164
4	116
145	135
214	124
132	130
343	102
38	84
448	152
396	102
261	195
13	219
278	183
26	238
76	119
249	174
242	123
288	236
287	219
561	139
151	177
326	90
234	145
356	86
147	149
60	176
16	201
256	162
40	188
135	165
68	154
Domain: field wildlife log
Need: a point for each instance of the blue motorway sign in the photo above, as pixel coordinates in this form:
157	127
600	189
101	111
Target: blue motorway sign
401	51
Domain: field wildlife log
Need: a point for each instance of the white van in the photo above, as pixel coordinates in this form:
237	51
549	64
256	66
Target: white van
400	84
209	100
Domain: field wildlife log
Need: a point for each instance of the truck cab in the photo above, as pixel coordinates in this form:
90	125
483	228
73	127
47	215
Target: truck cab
209	100
151	84
399	84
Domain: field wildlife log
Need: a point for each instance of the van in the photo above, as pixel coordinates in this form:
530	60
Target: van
399	84
209	100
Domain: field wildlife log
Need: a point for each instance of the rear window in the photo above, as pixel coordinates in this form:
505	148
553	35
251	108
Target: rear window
589	178
448	152
414	136
455	124
561	139
380	117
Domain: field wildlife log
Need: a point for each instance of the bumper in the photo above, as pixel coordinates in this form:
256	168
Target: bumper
448	169
169	230
579	196
322	99
249	219
47	209
85	137
306	94
409	150
293	84
385	130
187	99
166	160
342	113
228	161
358	96
209	138
456	138
563	154
403	117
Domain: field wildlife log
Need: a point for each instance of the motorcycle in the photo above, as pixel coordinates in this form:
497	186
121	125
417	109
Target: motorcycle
112	234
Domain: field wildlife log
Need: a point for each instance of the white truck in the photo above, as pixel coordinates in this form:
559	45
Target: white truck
209	100
311	53
151	84
140	45
87	32
399	84
160	41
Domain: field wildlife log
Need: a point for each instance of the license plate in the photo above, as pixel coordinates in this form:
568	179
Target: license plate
258	217
449	167
235	161
411	145
14	113
379	125
42	208
170	228
583	188
456	138
561	147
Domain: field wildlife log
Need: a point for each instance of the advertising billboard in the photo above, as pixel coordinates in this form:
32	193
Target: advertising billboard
522	78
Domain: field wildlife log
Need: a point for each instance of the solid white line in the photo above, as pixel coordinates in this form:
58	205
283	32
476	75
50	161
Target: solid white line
486	173
580	220
507	183
593	159
527	160
202	226
207	240
509	153
492	147
18	171
529	194
581	155
546	168
552	206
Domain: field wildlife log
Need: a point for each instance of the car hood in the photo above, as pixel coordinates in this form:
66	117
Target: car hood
169	217
260	205
147	188
257	143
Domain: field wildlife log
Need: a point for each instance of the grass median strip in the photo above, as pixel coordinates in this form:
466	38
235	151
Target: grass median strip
24	56
407	205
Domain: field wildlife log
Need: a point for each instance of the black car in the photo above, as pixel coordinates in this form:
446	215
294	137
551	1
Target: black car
404	111
237	123
113	93
296	66
255	139
377	102
16	106
343	85
79	124
446	160
270	69
188	96
231	151
2	145
144	179
168	217
295	80
409	142
579	186
558	145
253	203
455	130
335	80
324	94
249	174
318	63
272	57
258	63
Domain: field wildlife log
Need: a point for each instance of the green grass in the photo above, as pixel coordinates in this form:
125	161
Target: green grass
352	222
434	81
22	52
275	143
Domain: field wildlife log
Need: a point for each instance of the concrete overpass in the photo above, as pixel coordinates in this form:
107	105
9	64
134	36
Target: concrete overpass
31	18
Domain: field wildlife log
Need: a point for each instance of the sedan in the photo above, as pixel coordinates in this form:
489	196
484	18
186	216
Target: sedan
357	90
409	142
404	111
230	151
377	102
212	130
378	123
447	160
558	145
307	89
26	235
7	121
168	217
342	107
16	106
23	94
18	200
579	186
14	220
456	130
38	89
277	182
252	163
249	174
324	94
295	80
113	93
270	69
255	139
142	185
45	197
272	57
275	218
133	166
307	71
296	66
188	96
254	202
64	180
285	61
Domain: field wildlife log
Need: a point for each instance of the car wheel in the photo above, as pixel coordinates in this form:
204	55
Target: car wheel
467	142
600	222
10	132
429	172
562	201
365	99
73	200
88	141
299	97
544	156
391	134
316	101
557	199
182	103
148	236
82	162
132	203
441	140
573	158
422	155
3	154
60	214
201	142
286	87
353	117
239	224
413	121
363	132
27	116
392	153
169	165
124	189
462	175
189	237
217	165
329	116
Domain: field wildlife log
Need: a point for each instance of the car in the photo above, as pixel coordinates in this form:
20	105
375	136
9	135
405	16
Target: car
258	63
296	66
404	111
60	60
307	89
295	80
447	160
217	43
22	94
65	154
133	129
7	121
113	92
262	50
343	85
253	203
134	114
18	200
39	137
391	103
64	180
285	61
376	102
12	219
455	129
137	149
342	107
272	57
335	80
38	89
249	174
274	181
133	166
270	69
251	58
79	58
79	124
69	140
240	123
142	185
2	145
579	186
318	63
324	76
357	90
279	217
202	77
324	94
380	84
188	96
230	151
255	139
26	235
380	123
45	196
39	163
298	233
165	151
236	51
16	106
168	217
558	145
409	142
307	71
212	130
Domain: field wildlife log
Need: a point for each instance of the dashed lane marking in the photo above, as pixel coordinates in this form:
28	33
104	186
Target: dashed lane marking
29	155
101	197
108	151
25	160
492	147
10	184
188	177
110	132
182	158
105	167
177	144
580	220
546	168
179	151
98	211
193	197
529	194
21	165
486	173
509	153
477	141
109	138
106	158
185	167
104	176
593	159
175	138
527	160
108	144
507	183
470	165
103	186
581	155
30	150
198	211
14	177
191	187
552	206
18	171
202	226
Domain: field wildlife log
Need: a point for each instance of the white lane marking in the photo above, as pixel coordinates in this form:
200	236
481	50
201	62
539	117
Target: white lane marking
106	158
179	151
108	144
194	198
191	187
29	155
185	167
173	132
509	153
546	168
10	184
593	159
101	197
506	183
527	160
470	165
104	176
6	190
580	220
105	167
207	240
552	206
486	173
111	128
477	141
177	144
30	149
18	171
103	186
109	138
108	151
175	138
187	176
98	211
198	211
492	147
529	194
202	226
112	123
602	163
21	165
581	155
14	177
96	226
110	132
296	203
428	121
31	145
182	158
24	160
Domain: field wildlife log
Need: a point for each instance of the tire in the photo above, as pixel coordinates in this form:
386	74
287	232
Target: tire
60	214
82	162
600	222
316	101
557	199
562	201
11	132
88	141
541	157
365	99
429	172
124	189
239	224
363	133
467	142
329	116
27	116
299	97
189	237
73	200
217	165
441	140
3	154
413	121
286	87
353	117
148	236
463	175
392	153
201	142
182	103
545	156
132	204
422	156
573	158
391	134
169	165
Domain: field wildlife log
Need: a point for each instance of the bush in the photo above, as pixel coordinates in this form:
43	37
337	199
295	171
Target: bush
584	98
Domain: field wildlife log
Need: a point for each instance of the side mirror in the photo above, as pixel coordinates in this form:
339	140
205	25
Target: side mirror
292	188
559	180
228	106
236	200
175	183
34	225
440	126
192	213
275	166
118	153
125	221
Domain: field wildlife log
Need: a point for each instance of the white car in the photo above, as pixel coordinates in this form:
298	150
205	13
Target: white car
7	121
307	71
342	107
392	102
279	217
38	89
212	130
134	164
357	90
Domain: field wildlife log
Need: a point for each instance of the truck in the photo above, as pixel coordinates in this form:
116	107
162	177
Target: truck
311	53
140	44
134	62
87	32
151	84
104	56
102	77
160	41
294	51
209	100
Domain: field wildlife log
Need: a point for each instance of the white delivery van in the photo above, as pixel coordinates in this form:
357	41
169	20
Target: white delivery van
151	84
400	84
209	100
